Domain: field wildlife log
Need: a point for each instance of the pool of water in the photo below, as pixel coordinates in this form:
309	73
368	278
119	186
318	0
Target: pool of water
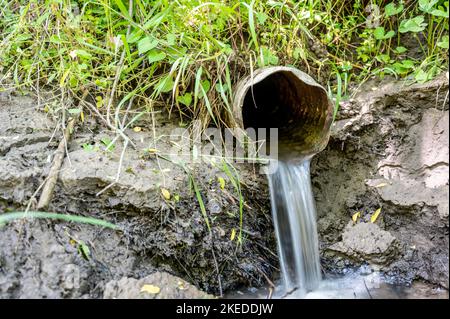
353	286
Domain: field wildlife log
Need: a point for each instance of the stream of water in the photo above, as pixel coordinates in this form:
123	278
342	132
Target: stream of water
294	217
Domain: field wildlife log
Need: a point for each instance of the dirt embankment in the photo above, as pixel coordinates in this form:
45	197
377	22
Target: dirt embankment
389	149
157	234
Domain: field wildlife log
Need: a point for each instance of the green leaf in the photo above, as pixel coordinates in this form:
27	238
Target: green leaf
427	5
443	43
415	25
205	85
185	99
84	250
440	13
267	57
262	17
155	56
391	9
385	58
84	54
165	84
146	44
378	33
171	38
108	143
74	111
400	50
389	34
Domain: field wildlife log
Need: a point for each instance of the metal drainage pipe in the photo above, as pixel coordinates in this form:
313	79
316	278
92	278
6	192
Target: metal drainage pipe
290	100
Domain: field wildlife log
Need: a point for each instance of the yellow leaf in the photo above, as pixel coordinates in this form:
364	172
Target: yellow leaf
381	185
151	289
355	216
233	234
63	78
137	129
152	150
221	182
99	101
82	116
165	193
181	285
374	217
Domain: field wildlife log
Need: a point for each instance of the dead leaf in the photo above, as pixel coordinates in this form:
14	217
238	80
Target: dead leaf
165	193
233	234
151	289
355	216
221	182
374	217
137	129
181	285
381	185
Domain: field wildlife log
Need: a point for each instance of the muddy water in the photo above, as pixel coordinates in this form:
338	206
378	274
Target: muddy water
294	217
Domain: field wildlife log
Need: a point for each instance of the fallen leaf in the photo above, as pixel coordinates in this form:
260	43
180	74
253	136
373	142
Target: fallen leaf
221	182
152	150
137	129
165	193
181	285
374	217
381	185
84	250
355	216
151	289
233	234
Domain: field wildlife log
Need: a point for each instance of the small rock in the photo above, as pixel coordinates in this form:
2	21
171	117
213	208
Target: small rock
367	242
171	287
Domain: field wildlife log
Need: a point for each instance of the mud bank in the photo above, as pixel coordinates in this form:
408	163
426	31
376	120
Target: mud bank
389	149
170	235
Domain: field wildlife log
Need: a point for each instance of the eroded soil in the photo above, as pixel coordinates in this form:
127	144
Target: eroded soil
389	149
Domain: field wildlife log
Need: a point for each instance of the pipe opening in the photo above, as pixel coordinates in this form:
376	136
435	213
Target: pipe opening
301	111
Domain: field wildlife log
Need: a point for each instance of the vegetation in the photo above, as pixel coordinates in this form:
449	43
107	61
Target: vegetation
187	54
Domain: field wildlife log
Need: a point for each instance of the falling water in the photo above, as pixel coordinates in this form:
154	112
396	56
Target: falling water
294	216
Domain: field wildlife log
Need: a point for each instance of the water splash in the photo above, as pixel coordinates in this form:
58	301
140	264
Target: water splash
294	216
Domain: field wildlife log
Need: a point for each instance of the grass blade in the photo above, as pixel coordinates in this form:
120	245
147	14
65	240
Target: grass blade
8	217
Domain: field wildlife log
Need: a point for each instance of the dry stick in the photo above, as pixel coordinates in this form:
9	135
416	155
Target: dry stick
49	186
52	178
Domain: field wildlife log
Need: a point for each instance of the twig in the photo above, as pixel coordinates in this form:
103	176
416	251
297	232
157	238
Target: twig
216	265
367	289
49	186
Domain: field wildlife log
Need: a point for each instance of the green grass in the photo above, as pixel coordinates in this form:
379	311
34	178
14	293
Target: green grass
186	55
9	217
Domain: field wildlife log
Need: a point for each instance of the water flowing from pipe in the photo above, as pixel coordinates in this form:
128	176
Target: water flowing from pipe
294	217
